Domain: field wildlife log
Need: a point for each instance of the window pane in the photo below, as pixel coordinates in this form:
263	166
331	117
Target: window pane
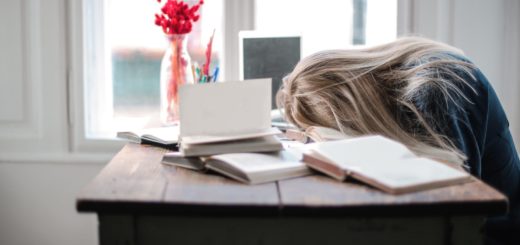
381	21
133	47
329	24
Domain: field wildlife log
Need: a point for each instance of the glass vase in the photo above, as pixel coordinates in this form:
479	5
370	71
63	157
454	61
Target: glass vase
175	71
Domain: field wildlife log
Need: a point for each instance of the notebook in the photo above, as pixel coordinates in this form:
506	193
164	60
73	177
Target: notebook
382	163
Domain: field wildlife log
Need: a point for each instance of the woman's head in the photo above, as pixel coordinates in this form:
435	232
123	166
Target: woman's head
372	91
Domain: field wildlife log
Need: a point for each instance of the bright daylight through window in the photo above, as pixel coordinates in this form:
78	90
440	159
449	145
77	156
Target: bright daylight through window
124	48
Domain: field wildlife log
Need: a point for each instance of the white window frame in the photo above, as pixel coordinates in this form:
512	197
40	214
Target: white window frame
78	81
239	15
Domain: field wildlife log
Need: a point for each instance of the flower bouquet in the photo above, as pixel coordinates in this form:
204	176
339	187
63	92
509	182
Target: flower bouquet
176	19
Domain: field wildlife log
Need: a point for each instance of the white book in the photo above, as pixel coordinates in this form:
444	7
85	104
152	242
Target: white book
251	168
206	139
382	163
227	117
177	159
256	168
255	144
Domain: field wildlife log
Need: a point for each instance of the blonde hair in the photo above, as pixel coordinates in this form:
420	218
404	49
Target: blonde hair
373	90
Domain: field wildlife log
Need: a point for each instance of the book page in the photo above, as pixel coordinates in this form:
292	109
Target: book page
162	134
409	172
379	159
205	139
251	163
176	159
360	152
225	108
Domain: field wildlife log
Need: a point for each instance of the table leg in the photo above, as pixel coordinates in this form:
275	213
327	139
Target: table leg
116	229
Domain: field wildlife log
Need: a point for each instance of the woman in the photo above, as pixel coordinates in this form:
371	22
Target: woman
419	92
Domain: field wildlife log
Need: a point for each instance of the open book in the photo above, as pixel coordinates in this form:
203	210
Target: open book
316	134
320	134
160	136
251	168
227	117
380	162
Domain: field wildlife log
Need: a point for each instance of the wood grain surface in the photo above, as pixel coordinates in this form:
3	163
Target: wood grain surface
321	194
136	181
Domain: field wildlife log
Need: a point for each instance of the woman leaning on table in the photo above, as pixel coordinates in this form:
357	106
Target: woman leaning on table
422	93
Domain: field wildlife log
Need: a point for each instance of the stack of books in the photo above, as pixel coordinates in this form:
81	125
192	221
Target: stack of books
230	133
226	128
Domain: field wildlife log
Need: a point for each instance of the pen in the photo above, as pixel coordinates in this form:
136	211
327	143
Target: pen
199	76
215	74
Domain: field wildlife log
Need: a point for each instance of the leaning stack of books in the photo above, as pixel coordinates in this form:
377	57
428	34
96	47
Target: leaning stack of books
230	132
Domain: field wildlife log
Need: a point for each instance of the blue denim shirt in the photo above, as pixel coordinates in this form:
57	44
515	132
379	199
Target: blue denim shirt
478	126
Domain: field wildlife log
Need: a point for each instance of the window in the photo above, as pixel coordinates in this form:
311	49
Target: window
125	58
123	47
330	24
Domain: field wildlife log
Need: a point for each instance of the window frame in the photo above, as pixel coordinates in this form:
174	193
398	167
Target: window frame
77	81
239	15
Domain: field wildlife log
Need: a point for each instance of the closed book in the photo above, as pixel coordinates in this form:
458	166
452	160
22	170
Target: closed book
215	138
382	163
257	144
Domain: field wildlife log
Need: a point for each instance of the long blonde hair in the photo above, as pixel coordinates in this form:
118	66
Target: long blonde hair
374	90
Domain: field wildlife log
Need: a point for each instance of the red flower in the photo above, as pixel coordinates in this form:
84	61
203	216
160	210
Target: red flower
177	17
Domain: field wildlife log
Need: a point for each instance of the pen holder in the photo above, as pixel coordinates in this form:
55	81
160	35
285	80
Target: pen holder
175	71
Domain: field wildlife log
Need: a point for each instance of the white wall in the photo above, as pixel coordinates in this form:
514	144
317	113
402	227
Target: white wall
41	173
37	204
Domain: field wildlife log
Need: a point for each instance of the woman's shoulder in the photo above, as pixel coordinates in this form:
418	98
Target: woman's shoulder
455	82
469	71
467	84
469	102
460	101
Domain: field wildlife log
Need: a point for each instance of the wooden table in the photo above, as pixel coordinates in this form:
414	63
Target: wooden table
140	201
